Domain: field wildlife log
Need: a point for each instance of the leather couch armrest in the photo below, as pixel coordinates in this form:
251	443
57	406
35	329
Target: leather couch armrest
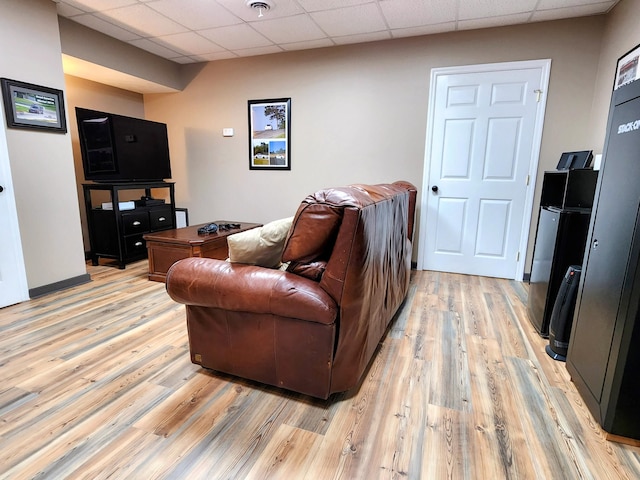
218	284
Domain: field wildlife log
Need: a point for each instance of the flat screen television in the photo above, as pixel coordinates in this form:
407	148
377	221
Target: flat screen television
573	160
116	148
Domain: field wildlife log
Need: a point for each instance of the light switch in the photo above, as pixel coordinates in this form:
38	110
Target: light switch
227	132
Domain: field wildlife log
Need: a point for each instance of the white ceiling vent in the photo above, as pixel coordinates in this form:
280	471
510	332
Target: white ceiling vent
260	5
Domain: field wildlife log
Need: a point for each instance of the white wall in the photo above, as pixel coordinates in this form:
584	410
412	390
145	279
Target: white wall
41	162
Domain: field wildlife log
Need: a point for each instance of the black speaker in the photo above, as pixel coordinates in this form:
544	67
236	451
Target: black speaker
562	315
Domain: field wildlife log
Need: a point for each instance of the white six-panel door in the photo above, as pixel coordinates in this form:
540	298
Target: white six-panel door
483	140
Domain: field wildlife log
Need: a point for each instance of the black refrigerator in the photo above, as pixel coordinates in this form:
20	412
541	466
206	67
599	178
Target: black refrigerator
560	242
604	350
563	224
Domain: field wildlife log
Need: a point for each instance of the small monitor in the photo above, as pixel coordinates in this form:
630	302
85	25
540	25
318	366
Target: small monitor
571	160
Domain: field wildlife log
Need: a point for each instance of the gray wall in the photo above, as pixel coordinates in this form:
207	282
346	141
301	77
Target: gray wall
358	113
41	162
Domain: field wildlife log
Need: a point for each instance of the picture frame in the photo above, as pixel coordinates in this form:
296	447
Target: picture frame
627	69
33	106
270	134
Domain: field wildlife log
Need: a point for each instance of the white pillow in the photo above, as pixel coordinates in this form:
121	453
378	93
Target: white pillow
261	246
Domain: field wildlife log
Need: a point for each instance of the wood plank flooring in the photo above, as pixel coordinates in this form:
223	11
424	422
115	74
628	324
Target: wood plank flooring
96	383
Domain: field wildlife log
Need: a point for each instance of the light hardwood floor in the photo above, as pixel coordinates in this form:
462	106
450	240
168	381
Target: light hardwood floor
96	383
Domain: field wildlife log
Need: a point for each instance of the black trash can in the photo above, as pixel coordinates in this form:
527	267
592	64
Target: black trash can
562	314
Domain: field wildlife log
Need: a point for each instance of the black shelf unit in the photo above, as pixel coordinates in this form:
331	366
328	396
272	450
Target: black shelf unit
604	351
118	234
563	223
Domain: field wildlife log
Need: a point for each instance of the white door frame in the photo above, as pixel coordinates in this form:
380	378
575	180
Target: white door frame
12	235
545	66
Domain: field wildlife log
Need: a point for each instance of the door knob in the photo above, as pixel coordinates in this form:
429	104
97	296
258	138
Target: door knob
434	189
1	189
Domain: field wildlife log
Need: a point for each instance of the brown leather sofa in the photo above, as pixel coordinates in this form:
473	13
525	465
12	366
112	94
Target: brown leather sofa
313	328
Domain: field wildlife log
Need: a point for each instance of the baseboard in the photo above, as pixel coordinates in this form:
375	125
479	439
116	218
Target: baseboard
61	285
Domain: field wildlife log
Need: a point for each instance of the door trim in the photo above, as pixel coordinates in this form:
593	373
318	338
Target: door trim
13	234
545	69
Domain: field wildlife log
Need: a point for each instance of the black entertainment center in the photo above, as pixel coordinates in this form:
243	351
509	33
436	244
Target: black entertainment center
123	153
118	234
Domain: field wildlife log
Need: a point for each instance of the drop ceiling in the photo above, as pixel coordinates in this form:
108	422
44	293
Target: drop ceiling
191	31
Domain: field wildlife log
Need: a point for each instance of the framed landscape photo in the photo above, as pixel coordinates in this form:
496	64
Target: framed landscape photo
33	106
270	134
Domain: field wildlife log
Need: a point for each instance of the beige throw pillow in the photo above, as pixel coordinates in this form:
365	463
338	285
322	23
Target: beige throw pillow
261	246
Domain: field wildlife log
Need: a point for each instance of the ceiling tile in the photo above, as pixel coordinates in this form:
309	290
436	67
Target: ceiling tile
570	12
470	9
548	4
426	30
350	20
317	5
187	30
154	48
212	57
66	10
418	12
236	36
188	43
323	42
183	60
142	20
196	14
95	23
99	5
362	38
251	52
290	29
493	21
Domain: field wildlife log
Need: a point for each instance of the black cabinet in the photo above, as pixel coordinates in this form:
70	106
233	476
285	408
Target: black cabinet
604	350
117	233
563	223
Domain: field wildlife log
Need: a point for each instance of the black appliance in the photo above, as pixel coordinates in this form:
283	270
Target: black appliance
116	148
604	350
563	224
562	315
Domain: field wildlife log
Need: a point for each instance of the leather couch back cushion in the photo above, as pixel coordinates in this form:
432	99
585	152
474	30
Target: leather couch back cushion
314	230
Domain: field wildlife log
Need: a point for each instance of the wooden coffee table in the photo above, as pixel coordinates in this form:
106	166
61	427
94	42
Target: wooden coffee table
168	246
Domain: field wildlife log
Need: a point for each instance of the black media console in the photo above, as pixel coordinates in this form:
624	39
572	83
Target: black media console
117	233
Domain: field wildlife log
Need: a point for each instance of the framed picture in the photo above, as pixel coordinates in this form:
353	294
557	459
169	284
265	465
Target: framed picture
627	69
270	134
32	106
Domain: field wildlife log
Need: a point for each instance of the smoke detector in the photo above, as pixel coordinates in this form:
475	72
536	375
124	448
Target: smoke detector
260	5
